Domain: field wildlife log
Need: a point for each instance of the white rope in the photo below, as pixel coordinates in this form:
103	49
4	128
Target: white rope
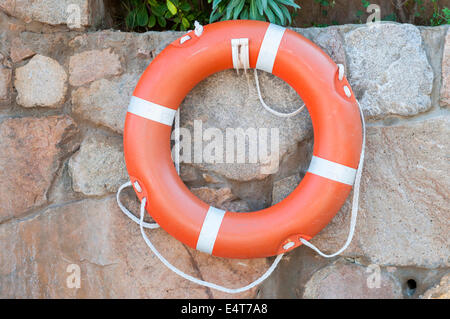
130	214
198	28
197	31
268	108
143	225
356	189
196	280
177	142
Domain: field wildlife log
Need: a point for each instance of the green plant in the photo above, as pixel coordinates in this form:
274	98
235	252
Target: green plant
274	11
165	14
439	16
325	5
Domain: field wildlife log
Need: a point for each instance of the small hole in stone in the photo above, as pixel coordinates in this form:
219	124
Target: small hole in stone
411	286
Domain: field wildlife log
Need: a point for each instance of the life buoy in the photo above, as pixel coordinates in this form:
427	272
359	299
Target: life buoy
337	140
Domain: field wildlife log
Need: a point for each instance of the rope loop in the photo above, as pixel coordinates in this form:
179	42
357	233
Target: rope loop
268	108
180	273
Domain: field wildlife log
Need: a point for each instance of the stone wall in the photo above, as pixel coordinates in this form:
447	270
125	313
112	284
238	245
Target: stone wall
63	98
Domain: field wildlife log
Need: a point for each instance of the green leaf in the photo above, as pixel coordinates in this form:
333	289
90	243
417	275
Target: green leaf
151	21
289	3
238	9
277	11
171	7
159	10
252	10
270	15
244	14
168	15
142	17
216	3
130	20
230	7
259	6
152	3
264	4
228	13
185	6
215	14
185	22
162	21
286	13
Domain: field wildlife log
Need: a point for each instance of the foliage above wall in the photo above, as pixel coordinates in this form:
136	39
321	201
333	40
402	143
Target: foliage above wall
274	11
144	15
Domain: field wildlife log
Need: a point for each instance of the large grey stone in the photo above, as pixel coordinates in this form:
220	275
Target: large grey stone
41	82
31	153
19	51
330	40
404	212
283	187
440	291
105	102
221	198
343	280
388	69
55	12
229	101
93	65
98	167
40	256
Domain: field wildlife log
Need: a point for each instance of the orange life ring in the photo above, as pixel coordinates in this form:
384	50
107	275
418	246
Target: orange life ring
337	140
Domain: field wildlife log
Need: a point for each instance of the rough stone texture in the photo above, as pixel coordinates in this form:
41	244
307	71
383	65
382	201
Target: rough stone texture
440	291
32	149
105	102
98	167
388	69
227	100
330	40
343	280
221	198
404	213
403	219
92	65
41	82
19	51
54	12
5	83
282	188
188	173
445	88
112	256
215	197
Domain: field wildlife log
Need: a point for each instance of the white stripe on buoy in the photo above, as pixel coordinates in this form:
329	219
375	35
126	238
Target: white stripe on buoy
151	111
331	170
269	47
210	229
